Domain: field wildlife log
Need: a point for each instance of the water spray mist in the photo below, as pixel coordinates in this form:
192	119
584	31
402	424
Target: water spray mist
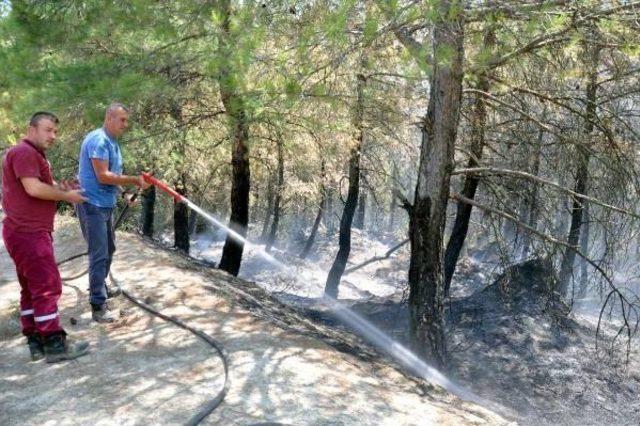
372	333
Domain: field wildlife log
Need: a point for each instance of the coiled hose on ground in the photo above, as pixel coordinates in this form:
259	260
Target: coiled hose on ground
213	403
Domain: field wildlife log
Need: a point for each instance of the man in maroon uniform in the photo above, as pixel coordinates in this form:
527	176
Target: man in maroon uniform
29	197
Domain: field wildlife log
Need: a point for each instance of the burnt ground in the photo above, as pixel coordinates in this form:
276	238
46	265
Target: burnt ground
285	368
512	344
515	343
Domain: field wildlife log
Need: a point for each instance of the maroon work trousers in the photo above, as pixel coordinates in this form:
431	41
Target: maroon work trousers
40	283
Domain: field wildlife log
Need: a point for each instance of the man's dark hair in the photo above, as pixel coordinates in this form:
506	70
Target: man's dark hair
41	115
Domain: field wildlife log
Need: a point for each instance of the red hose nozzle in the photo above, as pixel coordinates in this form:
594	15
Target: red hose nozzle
153	181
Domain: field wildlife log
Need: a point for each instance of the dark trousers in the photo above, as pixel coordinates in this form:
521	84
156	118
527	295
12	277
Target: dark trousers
40	283
96	224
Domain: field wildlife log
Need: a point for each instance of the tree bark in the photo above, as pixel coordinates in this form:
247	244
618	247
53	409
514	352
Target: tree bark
180	210
278	199
316	223
239	219
592	59
269	211
181	220
463	211
426	278
534	209
148	211
328	213
392	204
566	268
584	248
340	262
233	102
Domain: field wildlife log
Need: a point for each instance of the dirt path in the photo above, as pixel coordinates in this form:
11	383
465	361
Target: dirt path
142	370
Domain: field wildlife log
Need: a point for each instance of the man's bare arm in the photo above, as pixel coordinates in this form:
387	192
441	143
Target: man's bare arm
107	177
43	191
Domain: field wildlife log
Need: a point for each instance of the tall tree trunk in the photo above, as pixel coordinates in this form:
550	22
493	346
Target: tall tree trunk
239	219
428	215
230	86
180	210
584	247
316	223
558	227
148	210
181	219
534	209
566	268
592	59
470	185
392	204
328	211
269	212
362	205
276	204
340	262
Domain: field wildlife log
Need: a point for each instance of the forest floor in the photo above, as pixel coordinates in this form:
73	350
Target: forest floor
285	368
508	344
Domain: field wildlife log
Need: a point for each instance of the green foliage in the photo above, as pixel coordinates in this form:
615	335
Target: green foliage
290	73
370	27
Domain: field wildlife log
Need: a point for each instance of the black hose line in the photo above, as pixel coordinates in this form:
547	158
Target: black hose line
217	400
213	404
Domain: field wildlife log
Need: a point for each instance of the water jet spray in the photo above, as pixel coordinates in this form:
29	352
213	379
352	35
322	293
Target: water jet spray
179	198
377	337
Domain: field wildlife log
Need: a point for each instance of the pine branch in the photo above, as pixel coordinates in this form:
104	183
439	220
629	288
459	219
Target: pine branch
524	175
377	258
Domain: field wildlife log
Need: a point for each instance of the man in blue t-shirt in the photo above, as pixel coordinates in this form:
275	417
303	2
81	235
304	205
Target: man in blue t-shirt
100	176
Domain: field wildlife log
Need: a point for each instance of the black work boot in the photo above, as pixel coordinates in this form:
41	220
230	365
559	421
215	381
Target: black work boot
36	347
102	313
57	347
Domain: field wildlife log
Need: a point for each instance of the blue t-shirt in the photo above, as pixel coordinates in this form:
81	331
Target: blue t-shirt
98	144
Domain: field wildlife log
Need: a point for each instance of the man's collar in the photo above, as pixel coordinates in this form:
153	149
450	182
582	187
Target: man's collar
110	137
41	151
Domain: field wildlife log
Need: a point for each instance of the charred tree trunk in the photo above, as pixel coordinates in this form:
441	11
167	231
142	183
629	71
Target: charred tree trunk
239	219
470	185
566	268
181	220
428	215
233	102
278	199
148	210
340	262
592	58
316	223
180	210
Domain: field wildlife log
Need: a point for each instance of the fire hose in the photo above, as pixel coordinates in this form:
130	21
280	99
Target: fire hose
211	405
